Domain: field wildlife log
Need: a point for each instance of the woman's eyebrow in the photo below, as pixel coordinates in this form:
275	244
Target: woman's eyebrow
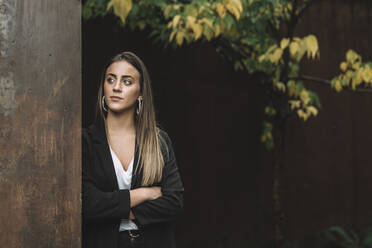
111	74
123	76
127	76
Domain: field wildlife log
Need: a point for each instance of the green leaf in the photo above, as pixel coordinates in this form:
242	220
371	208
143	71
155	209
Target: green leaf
314	99
342	234
229	21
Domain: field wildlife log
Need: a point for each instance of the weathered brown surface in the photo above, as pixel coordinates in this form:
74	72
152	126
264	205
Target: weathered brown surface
40	119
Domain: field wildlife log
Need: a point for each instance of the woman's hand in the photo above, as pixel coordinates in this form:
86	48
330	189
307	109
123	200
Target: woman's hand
137	196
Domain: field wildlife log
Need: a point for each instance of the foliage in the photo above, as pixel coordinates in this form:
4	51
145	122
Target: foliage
350	238
354	73
256	35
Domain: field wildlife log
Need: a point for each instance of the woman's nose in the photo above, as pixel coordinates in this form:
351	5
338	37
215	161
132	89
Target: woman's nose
117	86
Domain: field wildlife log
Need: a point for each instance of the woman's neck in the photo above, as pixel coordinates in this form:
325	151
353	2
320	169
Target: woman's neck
120	123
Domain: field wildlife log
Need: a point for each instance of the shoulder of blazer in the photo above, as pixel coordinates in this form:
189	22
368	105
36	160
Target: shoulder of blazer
98	151
166	145
95	133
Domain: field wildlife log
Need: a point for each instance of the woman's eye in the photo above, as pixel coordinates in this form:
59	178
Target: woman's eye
110	80
127	82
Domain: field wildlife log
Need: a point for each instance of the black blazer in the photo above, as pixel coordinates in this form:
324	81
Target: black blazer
104	205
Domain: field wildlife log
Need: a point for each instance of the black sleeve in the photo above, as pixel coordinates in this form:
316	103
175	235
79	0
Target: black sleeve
98	205
170	204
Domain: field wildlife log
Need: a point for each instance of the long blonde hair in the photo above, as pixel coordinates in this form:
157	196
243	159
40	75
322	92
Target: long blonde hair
150	158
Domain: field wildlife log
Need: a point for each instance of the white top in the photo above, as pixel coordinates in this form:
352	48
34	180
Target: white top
124	179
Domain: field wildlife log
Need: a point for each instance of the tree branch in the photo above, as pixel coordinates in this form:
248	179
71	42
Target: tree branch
307	5
328	82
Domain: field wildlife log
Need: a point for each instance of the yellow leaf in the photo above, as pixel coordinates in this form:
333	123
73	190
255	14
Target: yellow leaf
198	30
170	24
352	57
312	110
356	65
179	37
262	58
270	111
343	66
280	86
275	57
266	136
293	48
338	85
201	9
304	96
301	51
207	22
121	8
237	4
367	74
233	10
345	81
167	10
357	79
292	88
172	35
190	21
176	20
284	43
294	104
221	10
217	30
267	110
302	114
312	46
349	74
208	33
297	48
271	49
290	7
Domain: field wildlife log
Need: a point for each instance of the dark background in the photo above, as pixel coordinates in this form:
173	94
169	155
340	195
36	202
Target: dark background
214	117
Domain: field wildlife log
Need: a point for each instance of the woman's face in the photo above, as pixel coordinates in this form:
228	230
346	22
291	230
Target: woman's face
121	87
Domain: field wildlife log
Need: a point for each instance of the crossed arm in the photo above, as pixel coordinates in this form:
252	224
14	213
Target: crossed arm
145	204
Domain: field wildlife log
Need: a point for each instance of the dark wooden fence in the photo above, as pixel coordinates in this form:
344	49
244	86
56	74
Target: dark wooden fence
214	117
328	160
40	120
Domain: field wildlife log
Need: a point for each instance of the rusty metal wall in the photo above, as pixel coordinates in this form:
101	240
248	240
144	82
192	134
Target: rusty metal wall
40	120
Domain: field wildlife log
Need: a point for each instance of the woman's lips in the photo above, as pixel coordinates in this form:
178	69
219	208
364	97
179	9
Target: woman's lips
115	98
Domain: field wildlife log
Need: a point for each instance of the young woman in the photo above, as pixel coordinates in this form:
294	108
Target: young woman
132	190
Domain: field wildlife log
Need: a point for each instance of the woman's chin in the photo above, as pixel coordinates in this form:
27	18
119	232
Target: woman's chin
120	110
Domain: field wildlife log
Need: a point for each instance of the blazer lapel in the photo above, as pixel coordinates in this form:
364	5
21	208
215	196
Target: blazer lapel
136	173
104	154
